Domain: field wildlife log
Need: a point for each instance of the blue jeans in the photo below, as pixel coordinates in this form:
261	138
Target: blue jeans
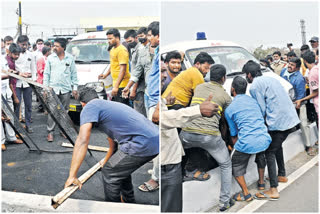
218	150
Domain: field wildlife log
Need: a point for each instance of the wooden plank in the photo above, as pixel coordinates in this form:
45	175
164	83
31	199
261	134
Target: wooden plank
94	148
66	192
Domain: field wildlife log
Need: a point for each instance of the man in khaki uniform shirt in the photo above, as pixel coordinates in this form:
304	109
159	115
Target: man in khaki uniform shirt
277	65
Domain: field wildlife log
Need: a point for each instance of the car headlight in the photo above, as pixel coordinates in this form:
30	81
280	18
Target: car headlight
292	94
98	86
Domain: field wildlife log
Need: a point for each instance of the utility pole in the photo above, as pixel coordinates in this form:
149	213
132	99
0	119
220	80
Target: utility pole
20	21
303	31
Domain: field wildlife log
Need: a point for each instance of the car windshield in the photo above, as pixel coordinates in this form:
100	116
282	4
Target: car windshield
233	58
89	51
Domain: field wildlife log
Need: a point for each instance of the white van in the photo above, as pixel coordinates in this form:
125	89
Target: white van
90	51
229	54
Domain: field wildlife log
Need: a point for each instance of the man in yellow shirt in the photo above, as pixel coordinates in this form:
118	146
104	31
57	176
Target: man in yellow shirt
183	85
119	66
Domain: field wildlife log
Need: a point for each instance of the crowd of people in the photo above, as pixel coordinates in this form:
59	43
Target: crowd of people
134	67
236	128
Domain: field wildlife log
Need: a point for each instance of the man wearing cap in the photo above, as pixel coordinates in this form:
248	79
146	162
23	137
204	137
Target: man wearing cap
314	41
277	65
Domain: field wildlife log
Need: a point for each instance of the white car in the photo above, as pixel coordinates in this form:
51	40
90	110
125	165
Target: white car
229	54
90	51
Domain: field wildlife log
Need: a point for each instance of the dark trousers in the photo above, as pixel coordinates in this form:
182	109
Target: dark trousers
269	157
120	99
27	98
171	188
116	176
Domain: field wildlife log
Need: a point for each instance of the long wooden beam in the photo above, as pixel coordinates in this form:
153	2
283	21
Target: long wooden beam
94	148
66	192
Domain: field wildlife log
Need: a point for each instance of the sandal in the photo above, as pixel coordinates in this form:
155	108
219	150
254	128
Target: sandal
265	197
146	187
261	186
196	175
312	152
241	197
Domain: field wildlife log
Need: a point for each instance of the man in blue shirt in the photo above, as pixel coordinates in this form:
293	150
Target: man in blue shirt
293	75
137	137
60	74
248	132
280	116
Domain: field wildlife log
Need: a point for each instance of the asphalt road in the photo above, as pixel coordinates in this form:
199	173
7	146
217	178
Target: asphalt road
301	196
46	173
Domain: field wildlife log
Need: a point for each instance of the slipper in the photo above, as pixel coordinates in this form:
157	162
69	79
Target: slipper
196	175
312	152
265	197
242	197
146	187
261	186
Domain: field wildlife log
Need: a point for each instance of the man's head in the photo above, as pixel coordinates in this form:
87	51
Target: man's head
142	35
238	86
173	61
8	40
131	38
153	33
252	70
46	51
276	56
40	44
14	51
291	54
163	73
47	44
285	57
269	58
202	62
304	48
309	58
87	94
59	45
294	64
113	36
218	73
314	41
23	42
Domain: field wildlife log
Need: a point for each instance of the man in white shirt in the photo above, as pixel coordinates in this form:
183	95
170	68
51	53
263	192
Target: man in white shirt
26	64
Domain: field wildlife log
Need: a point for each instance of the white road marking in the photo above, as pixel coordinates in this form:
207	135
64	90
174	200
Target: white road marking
254	205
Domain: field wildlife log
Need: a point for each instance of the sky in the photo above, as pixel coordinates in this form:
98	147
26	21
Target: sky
247	23
43	16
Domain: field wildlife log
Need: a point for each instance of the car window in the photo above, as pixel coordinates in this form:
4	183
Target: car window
233	58
87	51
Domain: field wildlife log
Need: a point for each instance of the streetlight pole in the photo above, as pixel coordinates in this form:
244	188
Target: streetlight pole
20	21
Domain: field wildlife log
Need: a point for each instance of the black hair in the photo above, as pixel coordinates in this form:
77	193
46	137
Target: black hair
309	57
130	33
47	43
291	54
277	52
7	39
253	68
62	41
115	32
269	58
203	57
317	52
142	30
39	40
297	61
217	71
86	94
239	84
304	47
154	27
23	38
14	48
172	55
34	46
45	50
